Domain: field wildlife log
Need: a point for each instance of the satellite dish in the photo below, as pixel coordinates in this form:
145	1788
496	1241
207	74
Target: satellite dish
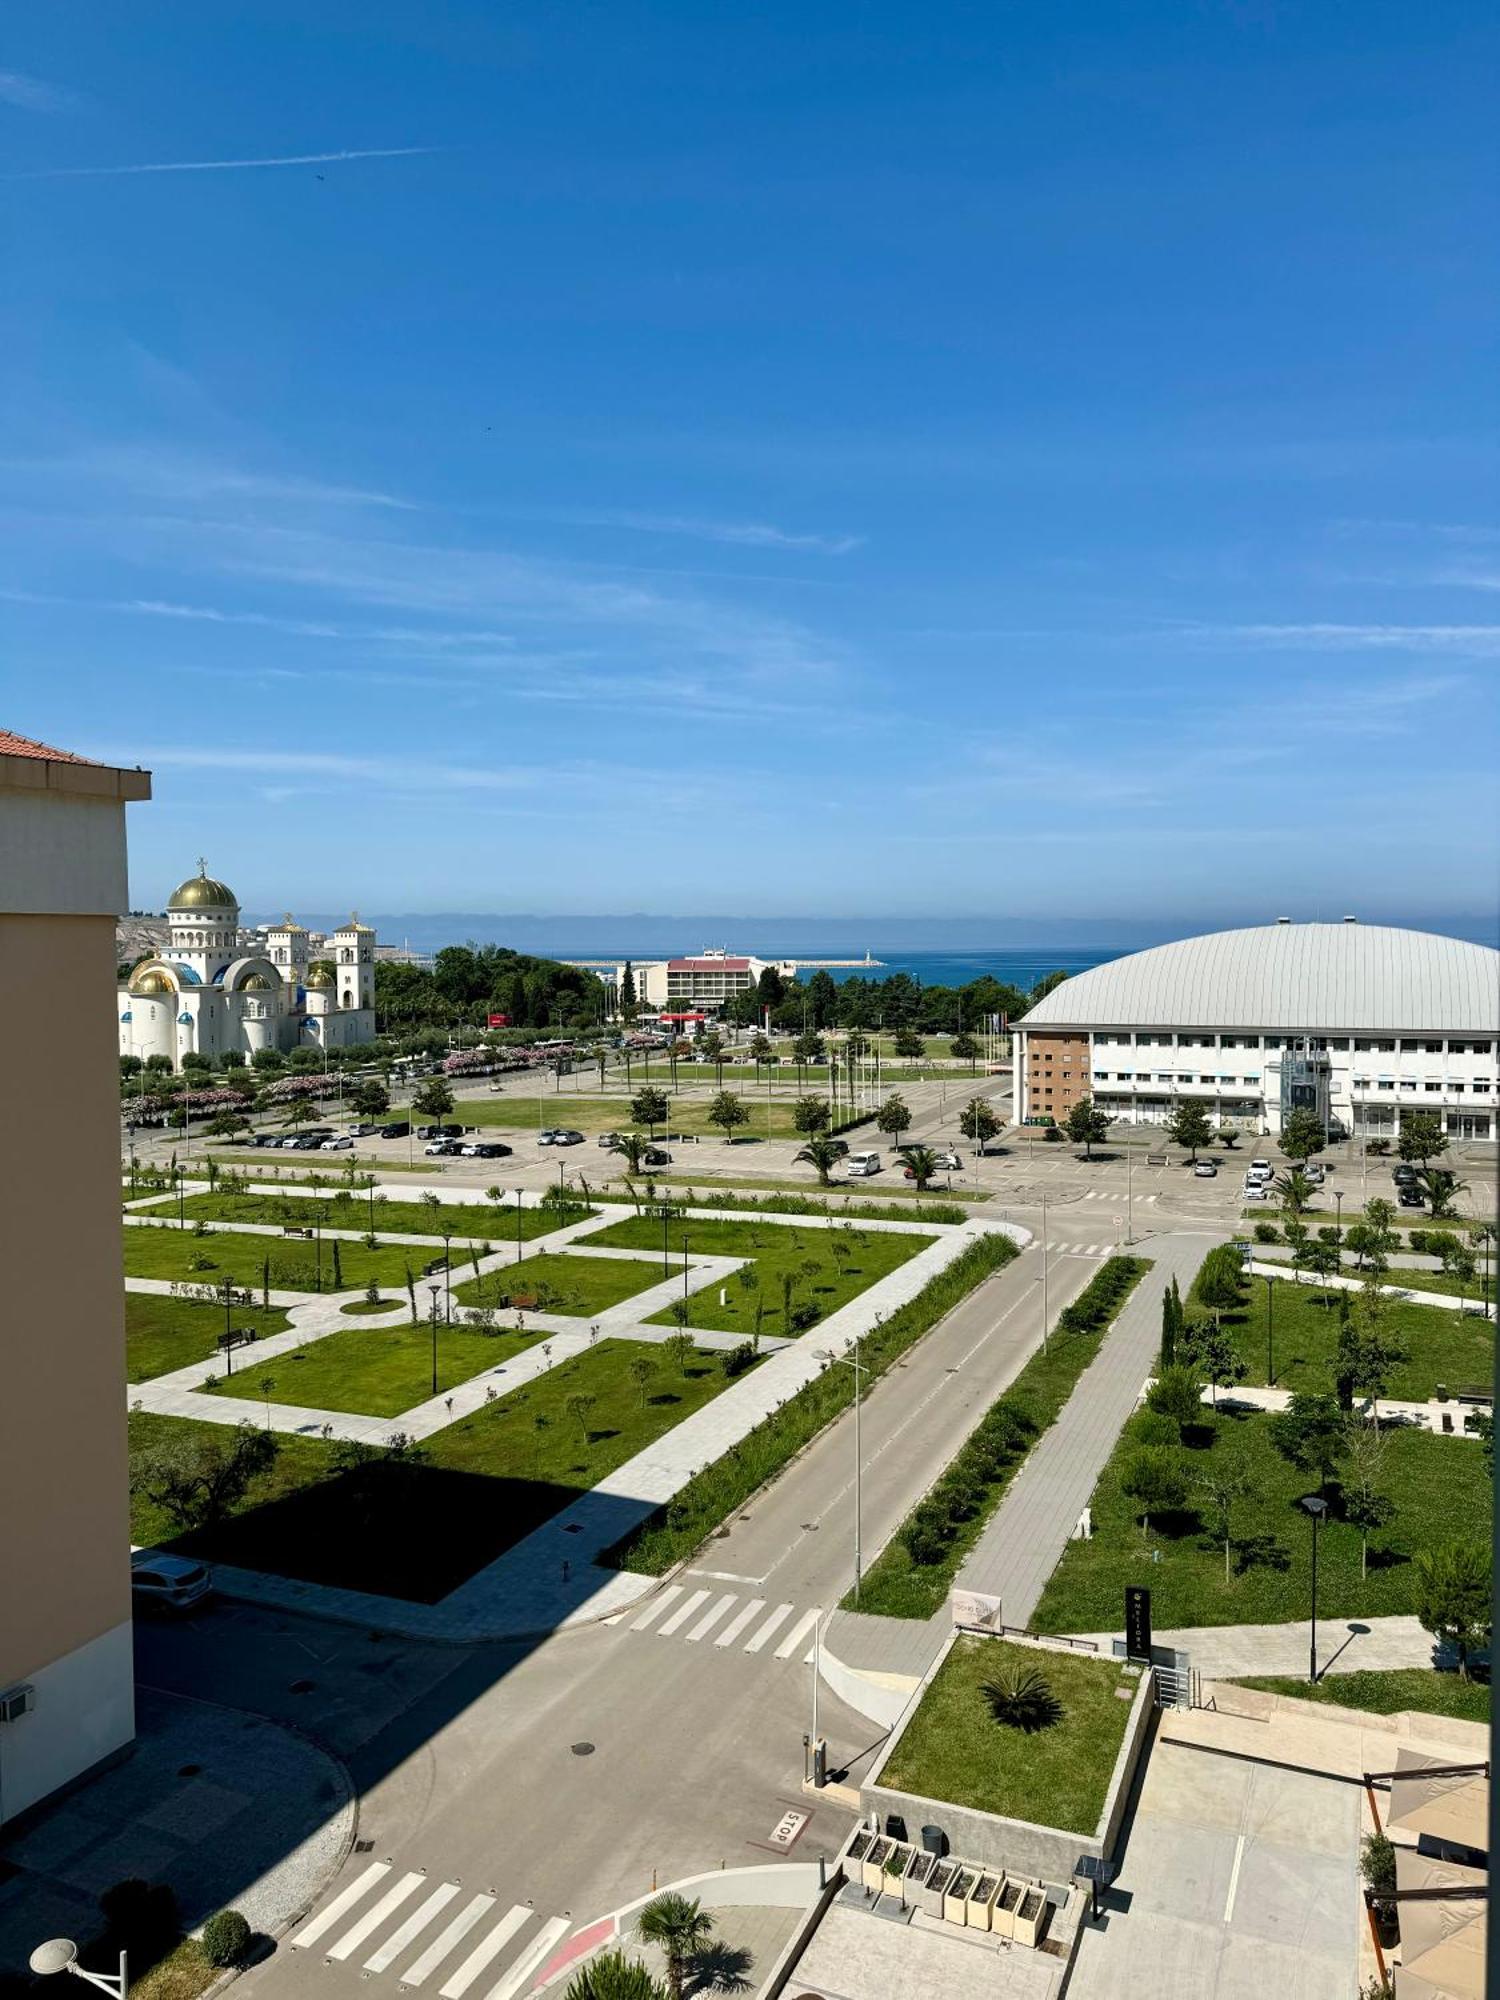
56	1955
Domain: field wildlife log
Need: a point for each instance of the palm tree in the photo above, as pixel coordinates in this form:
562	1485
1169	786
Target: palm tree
823	1153
634	1149
923	1162
1293	1190
1441	1188
680	1925
613	1976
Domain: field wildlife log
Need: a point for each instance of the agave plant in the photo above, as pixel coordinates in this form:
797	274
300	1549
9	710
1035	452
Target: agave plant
1022	1699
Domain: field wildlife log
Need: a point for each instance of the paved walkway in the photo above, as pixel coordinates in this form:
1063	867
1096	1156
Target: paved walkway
1443	1419
1021	1546
1345	1646
1448	1301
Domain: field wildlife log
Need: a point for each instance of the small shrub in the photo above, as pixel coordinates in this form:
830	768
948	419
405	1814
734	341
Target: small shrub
1267	1232
805	1316
1022	1699
226	1938
735	1360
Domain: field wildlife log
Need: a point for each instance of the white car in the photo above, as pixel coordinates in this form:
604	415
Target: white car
1204	1169
1258	1170
1315	1172
336	1146
547	1138
172	1583
1256	1191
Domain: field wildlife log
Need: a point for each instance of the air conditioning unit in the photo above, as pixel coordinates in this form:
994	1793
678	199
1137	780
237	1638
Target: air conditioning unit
16	1702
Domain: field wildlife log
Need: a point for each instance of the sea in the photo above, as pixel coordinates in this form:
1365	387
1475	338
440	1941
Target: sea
1021	968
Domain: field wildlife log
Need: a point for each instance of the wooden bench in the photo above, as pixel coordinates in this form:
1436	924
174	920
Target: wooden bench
296	1229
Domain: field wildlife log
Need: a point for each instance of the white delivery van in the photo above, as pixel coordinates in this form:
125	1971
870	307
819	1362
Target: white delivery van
859	1166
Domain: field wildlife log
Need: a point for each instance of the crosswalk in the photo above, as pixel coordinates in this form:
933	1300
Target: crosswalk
725	1619
1061	1249
403	1929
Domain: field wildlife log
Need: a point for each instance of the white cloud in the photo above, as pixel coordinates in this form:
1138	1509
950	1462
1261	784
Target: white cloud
740	534
1475	641
223	166
29	93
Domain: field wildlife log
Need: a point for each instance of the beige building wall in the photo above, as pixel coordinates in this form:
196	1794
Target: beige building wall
64	1548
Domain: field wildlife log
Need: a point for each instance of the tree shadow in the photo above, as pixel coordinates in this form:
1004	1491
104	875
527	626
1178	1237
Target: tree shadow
1260	1552
1176	1523
1388	1558
718	1967
1198	1437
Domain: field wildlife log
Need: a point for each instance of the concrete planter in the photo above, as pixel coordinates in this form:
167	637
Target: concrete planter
872	1866
930	1895
922	1865
1003	1912
956	1897
982	1894
1030	1917
897	1864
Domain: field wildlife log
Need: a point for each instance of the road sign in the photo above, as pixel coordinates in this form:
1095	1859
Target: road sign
1137	1623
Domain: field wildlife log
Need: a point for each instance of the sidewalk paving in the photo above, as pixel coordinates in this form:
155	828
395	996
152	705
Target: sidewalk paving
1425	1416
1449	1301
1345	1646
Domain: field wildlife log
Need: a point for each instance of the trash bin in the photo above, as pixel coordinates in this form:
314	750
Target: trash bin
934	1840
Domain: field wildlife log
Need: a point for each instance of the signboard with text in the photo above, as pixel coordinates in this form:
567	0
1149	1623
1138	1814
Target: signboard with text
974	1611
1137	1623
499	1020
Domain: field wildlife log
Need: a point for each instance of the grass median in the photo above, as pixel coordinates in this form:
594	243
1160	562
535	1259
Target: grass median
1387	1692
711	1495
498	1223
1442	1347
912	1575
165	1334
374	1371
253	1261
555	1282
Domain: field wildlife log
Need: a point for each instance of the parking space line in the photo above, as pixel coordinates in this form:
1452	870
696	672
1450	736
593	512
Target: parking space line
1234	1878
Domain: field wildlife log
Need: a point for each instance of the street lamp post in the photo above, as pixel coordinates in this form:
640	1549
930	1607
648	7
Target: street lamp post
434	1290
1338	1215
1317	1507
61	1955
1270	1331
856	1362
1044	1274
520	1253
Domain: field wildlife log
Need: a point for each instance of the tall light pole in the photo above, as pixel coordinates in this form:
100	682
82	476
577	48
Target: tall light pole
1044	1275
1270	1331
1317	1507
434	1290
856	1362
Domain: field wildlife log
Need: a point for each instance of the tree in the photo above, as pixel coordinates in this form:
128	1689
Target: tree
1189	1125
977	1121
1293	1190
923	1162
727	1112
649	1107
1172	1323
371	1099
1459	1263
434	1099
198	1477
680	1347
578	1406
760	1046
1177	1394
681	1927
1210	1348
966	1049
224	1124
1453	1596
1154	1475
1218	1284
1309	1433
1228	1136
628	1003
1441	1188
810	1048
1223	1492
1422	1137
633	1147
894	1116
1303	1134
1368	1352
642	1369
812	1114
610	1975
1366	1506
909	1045
824	1154
1086	1127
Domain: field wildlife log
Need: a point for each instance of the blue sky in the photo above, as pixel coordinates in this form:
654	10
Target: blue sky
885	459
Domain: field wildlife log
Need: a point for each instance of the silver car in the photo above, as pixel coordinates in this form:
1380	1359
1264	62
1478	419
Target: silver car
172	1583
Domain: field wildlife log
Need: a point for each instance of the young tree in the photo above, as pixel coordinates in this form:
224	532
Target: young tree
433	1100
1210	1348
1422	1138
810	1048
371	1099
812	1114
198	1477
578	1407
1177	1394
1086	1127
1453	1596
909	1045
649	1107
1366	1504
760	1046
1155	1476
964	1048
894	1116
1309	1433
727	1112
923	1162
1223	1491
1218	1285
680	1347
1368	1351
642	1369
1172	1323
824	1154
1459	1263
681	1927
977	1121
1189	1125
1293	1190
1303	1134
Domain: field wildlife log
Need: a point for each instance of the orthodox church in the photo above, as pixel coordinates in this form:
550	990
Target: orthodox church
214	989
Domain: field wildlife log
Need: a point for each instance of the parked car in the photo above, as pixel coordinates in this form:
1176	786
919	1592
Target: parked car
656	1156
567	1138
547	1137
485	1149
860	1166
1255	1191
306	1142
169	1583
267	1139
1411	1197
1258	1170
950	1162
335	1145
1404	1174
610	1141
1204	1170
397	1129
441	1148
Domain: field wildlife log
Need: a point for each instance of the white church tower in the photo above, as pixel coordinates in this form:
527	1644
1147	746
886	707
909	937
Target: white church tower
354	964
204	915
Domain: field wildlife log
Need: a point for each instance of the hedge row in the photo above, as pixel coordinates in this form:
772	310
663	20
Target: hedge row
911	1577
713	1494
795	1204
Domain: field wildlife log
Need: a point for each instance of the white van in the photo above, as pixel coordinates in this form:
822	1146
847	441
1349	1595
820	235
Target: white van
859	1166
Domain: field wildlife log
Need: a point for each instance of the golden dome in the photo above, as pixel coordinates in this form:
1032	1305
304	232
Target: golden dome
150	982
321	975
203	892
256	983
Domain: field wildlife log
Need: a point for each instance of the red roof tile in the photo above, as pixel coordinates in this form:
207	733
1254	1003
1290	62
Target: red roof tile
12	745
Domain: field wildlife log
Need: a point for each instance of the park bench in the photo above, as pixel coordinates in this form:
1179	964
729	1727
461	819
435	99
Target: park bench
240	1336
1481	1398
1156	1159
296	1229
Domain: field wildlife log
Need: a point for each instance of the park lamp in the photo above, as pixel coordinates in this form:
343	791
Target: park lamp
61	1955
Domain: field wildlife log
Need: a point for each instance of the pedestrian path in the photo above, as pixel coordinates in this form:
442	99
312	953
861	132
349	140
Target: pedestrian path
725	1619
389	1920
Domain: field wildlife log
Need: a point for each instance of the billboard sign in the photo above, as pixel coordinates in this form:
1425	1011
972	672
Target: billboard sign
974	1611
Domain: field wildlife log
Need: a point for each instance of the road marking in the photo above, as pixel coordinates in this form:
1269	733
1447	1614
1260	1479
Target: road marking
683	1613
519	1976
344	1900
711	1618
786	1829
441	1945
798	1633
1234	1878
656	1607
392	1900
737	1625
777	1617
488	1948
415	1924
725	1576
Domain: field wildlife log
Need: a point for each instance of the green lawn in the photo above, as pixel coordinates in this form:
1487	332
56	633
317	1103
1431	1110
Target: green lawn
1438	1485
955	1751
374	1371
163	1334
1387	1693
555	1282
774	1249
417	1530
1443	1347
896	1203
612	1114
470	1222
210	1259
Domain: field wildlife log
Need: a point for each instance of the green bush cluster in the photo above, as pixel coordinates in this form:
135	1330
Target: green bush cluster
1267	1232
714	1493
736	1360
225	1938
1102	1297
1432	1242
1004	1435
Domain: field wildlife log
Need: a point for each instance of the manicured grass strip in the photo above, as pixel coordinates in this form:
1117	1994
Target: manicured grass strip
1442	1347
1437	1484
900	1204
554	1282
954	1750
164	1334
711	1495
469	1222
294	1263
520	1115
949	1519
373	1371
1388	1692
418	1526
828	1267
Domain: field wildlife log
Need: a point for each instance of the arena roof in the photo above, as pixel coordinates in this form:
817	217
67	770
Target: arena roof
1365	978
